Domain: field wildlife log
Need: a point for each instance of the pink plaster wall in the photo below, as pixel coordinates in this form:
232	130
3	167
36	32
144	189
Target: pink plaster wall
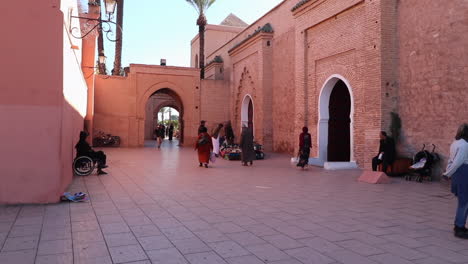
43	110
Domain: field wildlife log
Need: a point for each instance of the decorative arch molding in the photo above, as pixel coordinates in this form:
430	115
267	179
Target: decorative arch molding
245	111
143	98
246	87
322	127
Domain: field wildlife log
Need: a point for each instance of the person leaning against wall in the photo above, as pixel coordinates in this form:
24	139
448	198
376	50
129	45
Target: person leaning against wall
457	171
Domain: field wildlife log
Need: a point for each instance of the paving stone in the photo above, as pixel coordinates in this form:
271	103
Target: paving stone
120	239
155	242
167	256
244	260
51	247
151	199
360	248
228	249
191	245
267	252
308	255
127	253
20	243
16	257
211	236
66	258
246	238
205	258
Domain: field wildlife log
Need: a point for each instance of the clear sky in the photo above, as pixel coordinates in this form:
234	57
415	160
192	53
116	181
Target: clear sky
155	29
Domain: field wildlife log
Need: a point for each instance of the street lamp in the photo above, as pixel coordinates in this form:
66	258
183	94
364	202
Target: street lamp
102	58
104	25
110	7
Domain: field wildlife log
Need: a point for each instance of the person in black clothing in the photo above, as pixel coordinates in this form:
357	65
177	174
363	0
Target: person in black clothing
160	134
386	154
84	149
202	125
171	131
229	133
305	143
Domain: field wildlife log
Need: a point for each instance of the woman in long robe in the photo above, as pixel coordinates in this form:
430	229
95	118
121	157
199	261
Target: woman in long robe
204	146
305	143
247	147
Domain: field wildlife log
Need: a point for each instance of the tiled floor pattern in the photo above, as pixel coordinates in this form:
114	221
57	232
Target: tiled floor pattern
160	207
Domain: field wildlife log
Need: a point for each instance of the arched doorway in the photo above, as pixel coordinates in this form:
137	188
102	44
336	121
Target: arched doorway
247	112
339	139
163	98
335	128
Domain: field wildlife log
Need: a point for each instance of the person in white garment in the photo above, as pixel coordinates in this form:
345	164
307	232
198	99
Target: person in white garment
457	171
215	139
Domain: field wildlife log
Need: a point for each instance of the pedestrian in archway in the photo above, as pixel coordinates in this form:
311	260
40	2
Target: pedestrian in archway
229	133
457	170
204	147
305	143
215	139
246	145
161	134
171	131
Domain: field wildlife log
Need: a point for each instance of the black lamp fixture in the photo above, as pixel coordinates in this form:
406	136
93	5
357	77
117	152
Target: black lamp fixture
98	23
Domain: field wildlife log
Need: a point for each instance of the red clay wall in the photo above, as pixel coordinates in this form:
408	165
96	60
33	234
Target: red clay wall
433	72
214	103
341	38
268	74
120	102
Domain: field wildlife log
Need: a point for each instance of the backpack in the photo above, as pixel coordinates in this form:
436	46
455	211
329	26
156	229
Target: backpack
307	141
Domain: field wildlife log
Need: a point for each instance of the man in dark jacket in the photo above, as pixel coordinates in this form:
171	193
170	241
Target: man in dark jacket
84	149
386	154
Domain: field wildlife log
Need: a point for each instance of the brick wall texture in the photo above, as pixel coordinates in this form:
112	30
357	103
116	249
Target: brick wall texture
433	69
408	57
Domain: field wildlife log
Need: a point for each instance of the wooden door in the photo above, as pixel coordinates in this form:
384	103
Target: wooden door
339	139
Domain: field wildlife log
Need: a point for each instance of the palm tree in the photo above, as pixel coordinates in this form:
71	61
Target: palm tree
100	43
201	6
118	43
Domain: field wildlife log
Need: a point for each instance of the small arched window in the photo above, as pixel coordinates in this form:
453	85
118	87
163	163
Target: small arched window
196	61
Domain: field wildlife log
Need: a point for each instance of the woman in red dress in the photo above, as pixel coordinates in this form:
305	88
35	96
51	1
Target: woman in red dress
204	147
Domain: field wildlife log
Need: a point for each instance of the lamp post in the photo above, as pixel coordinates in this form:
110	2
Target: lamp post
104	25
110	7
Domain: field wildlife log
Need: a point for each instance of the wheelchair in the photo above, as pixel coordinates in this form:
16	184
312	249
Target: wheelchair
83	166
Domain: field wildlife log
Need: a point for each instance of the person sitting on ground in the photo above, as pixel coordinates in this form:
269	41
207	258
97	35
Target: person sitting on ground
84	149
386	154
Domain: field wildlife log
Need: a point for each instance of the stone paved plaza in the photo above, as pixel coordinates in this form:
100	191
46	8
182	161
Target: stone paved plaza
160	207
